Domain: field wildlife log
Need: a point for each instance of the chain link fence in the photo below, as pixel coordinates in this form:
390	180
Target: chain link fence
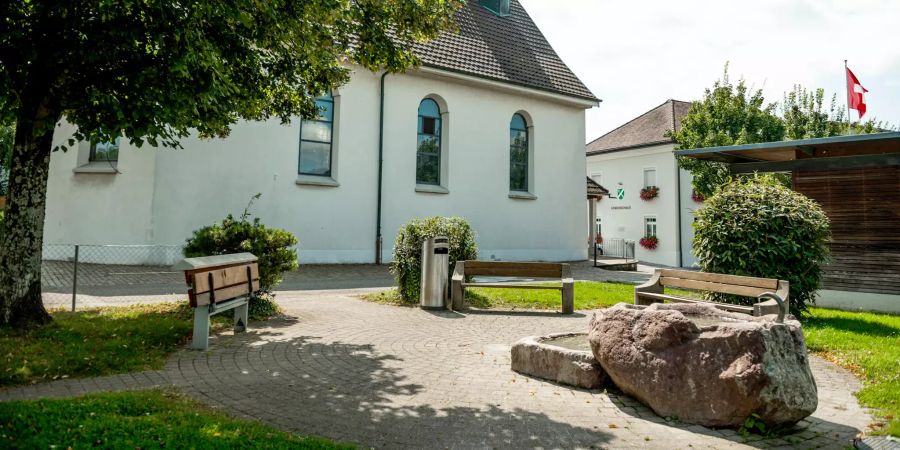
88	276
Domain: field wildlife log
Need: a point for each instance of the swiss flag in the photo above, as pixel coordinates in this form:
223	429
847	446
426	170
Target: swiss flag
855	94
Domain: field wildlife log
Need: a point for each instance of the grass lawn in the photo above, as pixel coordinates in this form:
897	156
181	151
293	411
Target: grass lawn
588	295
95	342
146	419
869	345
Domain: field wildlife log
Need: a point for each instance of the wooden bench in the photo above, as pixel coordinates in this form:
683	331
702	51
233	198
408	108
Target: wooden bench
776	291
465	270
217	284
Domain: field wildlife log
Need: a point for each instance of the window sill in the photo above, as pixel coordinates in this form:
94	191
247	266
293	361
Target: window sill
314	180
97	167
431	189
519	195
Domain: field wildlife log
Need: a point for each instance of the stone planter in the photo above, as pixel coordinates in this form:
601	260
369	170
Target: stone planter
706	366
539	357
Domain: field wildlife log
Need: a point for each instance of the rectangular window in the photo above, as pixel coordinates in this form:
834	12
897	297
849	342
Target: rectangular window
649	177
649	226
428	153
316	137
599	227
518	163
105	151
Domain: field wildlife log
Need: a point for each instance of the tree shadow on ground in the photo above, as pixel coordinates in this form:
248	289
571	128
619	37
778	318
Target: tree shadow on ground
351	392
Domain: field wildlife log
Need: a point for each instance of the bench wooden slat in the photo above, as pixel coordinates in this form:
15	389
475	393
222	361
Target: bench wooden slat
764	283
510	286
226	293
722	306
697	285
513	269
228	276
519	273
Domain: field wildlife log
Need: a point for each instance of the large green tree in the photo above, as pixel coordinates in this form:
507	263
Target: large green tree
728	114
154	71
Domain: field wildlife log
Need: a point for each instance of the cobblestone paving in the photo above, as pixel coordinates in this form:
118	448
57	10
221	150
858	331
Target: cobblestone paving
393	377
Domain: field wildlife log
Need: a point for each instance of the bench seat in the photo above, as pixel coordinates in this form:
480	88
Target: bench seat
465	270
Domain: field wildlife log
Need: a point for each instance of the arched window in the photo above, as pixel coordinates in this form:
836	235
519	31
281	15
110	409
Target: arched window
428	151
316	138
518	154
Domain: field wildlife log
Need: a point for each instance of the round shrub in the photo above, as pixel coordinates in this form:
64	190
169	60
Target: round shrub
407	265
760	228
274	248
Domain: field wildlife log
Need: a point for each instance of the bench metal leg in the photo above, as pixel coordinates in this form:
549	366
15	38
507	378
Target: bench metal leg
241	316
568	298
200	340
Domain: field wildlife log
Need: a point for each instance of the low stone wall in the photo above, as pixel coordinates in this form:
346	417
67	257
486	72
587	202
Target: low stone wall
531	356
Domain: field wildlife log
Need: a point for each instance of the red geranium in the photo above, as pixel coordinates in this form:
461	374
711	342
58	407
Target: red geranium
649	242
649	193
697	197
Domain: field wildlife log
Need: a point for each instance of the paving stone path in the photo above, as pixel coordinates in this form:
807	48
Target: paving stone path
394	377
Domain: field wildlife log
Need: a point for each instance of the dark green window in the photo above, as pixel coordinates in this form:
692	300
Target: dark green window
428	151
316	140
518	154
104	151
498	7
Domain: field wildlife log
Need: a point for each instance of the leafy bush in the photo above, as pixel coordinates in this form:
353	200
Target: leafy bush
407	265
760	228
274	248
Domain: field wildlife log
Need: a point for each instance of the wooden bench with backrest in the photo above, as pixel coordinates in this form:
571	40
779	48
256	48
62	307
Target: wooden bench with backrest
217	284
776	291
465	270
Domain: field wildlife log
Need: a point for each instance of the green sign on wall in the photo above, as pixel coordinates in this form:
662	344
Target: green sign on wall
620	193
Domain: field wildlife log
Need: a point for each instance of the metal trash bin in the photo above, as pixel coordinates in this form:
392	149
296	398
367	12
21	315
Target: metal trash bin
435	273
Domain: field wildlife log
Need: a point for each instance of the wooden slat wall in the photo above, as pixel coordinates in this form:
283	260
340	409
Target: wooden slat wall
864	208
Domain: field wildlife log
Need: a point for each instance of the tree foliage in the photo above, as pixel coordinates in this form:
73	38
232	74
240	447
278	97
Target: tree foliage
7	133
728	114
407	264
806	117
154	71
759	228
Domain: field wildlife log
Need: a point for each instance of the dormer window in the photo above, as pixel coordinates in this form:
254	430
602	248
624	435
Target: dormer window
498	7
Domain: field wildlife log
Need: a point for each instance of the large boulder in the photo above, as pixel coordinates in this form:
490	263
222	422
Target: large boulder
706	366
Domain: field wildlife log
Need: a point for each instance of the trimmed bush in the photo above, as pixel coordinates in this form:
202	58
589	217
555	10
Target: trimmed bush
760	228
407	265
275	249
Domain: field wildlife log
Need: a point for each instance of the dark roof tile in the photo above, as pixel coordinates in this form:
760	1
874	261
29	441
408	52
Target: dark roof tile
647	129
508	49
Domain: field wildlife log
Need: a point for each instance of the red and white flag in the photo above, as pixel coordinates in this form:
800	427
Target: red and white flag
855	94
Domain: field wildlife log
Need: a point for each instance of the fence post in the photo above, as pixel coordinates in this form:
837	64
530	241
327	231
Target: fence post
75	279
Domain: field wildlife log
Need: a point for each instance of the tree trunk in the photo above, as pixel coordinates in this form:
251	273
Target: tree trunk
22	231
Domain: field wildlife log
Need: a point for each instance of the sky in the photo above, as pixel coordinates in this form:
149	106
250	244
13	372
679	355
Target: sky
636	54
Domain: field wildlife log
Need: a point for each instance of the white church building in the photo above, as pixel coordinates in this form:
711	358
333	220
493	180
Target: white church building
490	128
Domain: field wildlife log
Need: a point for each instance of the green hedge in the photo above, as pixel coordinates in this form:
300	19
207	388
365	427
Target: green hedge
407	264
760	228
275	249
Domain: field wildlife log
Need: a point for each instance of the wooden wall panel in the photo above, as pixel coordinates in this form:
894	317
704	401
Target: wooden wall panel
864	209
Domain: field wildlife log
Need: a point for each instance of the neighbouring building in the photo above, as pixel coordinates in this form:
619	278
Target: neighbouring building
635	156
491	128
856	180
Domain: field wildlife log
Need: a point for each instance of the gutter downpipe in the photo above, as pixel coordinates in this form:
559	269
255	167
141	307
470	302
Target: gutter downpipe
378	237
678	203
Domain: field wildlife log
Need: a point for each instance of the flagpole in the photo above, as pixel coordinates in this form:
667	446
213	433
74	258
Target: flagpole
847	87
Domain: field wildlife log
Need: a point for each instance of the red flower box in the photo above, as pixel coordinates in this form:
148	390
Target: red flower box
649	193
649	242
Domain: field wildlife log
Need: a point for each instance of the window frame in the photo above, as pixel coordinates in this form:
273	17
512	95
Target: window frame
438	136
92	152
329	98
655	180
648	224
527	150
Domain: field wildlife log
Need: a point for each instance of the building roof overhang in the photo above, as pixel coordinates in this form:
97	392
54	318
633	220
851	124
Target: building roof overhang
831	153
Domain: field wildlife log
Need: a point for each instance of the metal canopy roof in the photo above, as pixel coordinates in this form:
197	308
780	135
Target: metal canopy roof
831	153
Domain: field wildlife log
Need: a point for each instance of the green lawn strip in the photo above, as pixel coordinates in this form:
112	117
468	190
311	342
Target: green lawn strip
144	419
588	295
96	342
869	345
